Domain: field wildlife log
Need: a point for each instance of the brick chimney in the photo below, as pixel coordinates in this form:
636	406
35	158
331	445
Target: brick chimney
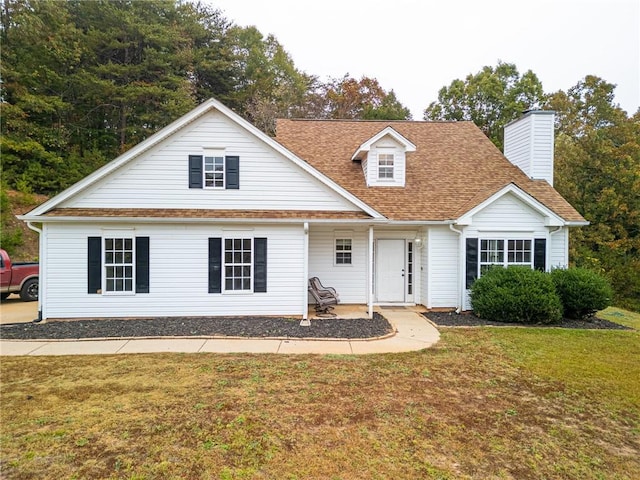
528	144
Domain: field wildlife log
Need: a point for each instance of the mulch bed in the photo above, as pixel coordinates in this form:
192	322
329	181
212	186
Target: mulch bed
452	319
259	327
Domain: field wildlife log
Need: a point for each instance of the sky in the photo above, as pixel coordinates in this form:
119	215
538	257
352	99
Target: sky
415	47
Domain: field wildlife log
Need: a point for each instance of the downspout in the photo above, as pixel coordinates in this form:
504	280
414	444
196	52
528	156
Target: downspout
460	268
370	275
41	261
547	255
305	262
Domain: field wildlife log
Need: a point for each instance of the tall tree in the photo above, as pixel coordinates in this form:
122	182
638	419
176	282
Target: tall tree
349	98
490	98
597	164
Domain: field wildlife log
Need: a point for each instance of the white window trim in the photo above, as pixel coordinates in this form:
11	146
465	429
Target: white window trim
505	252
115	236
393	167
214	154
335	251
224	266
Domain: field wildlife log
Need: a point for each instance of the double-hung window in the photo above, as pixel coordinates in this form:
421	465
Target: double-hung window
118	265
493	252
385	166
214	171
343	251
238	261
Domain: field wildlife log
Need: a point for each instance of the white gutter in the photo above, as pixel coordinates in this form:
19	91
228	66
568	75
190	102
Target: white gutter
41	267
460	268
76	219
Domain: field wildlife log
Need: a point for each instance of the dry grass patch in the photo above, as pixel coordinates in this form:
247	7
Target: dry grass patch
465	409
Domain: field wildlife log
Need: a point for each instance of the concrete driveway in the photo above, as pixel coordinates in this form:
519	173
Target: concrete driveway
14	310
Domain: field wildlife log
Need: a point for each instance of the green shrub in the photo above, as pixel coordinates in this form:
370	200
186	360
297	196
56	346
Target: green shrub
516	294
582	292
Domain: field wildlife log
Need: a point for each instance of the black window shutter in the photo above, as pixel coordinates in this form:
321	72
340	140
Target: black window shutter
142	264
215	265
540	254
94	263
232	169
260	265
472	261
195	171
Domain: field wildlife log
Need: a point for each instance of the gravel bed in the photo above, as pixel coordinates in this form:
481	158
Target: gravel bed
452	319
198	326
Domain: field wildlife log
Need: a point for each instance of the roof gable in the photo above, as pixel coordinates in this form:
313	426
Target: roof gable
212	105
550	218
388	131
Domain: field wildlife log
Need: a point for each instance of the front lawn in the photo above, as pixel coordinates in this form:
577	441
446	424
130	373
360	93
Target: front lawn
518	403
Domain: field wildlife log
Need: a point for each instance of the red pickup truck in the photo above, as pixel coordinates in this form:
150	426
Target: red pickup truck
19	278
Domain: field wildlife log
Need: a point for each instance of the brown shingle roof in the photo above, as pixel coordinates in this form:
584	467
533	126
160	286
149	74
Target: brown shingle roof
213	214
454	168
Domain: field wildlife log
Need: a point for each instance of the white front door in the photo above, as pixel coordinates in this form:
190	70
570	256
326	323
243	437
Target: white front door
390	265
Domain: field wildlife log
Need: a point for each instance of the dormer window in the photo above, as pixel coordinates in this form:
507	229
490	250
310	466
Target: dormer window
385	166
384	158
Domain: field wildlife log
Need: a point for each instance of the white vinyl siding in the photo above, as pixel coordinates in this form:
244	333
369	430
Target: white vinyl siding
178	274
529	144
351	282
443	267
159	177
557	246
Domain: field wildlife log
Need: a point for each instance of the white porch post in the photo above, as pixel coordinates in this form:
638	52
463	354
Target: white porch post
370	274
305	268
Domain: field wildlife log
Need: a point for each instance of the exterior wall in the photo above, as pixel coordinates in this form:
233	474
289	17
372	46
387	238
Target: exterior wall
558	249
443	273
385	145
350	281
425	271
509	218
178	273
528	144
159	177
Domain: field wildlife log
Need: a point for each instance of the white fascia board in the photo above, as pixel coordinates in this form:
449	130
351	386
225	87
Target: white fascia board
178	125
164	220
551	218
366	146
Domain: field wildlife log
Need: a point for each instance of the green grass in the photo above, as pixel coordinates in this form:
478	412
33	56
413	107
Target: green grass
623	317
490	403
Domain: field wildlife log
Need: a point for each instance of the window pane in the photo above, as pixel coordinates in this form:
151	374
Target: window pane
108	257
228	284
110	285
228	271
228	257
237	284
246	284
237	257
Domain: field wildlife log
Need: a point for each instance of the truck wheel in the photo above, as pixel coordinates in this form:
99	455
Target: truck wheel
4	296
29	292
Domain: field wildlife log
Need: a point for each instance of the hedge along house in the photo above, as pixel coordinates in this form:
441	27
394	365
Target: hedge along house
212	217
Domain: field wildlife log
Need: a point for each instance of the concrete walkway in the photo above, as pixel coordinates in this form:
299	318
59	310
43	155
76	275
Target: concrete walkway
413	332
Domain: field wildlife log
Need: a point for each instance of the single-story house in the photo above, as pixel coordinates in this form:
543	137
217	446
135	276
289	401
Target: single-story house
210	216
